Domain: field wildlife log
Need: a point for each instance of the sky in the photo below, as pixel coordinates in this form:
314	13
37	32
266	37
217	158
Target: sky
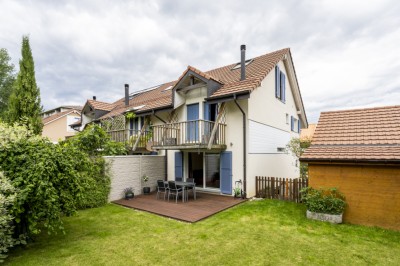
346	53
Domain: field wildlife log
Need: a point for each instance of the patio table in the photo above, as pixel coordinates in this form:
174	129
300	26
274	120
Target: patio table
184	184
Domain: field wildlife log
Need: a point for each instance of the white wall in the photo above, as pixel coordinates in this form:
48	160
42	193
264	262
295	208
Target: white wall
127	171
269	112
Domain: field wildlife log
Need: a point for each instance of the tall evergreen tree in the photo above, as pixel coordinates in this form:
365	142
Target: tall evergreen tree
24	105
7	78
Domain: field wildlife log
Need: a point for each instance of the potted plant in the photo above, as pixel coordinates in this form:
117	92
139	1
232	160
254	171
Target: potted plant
237	192
129	193
146	190
324	204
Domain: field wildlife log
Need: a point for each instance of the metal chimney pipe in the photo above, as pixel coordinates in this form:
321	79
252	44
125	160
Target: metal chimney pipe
126	94
94	98
242	62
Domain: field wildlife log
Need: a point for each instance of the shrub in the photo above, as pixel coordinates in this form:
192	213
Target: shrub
95	143
8	196
46	177
329	201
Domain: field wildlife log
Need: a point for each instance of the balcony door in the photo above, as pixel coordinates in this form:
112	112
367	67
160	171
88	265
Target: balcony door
192	134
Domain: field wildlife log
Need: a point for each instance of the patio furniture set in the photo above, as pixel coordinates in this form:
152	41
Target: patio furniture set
176	188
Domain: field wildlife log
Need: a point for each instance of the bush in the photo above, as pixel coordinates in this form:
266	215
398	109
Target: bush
46	177
95	143
8	196
329	201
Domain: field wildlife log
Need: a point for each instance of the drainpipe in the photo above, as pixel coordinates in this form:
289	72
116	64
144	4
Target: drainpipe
244	144
165	151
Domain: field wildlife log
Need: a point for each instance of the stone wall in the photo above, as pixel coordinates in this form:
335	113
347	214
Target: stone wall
127	171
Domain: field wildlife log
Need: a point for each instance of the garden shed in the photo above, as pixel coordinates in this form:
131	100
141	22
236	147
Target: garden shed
358	152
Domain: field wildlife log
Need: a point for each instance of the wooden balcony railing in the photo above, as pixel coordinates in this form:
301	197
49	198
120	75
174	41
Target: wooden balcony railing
129	137
188	133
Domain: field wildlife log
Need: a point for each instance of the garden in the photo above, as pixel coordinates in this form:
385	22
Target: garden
265	232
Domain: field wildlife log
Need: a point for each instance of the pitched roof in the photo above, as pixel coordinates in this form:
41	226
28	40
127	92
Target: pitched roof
159	97
360	134
56	116
227	76
101	105
256	71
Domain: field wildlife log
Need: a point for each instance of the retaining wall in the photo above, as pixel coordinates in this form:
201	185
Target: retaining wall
127	171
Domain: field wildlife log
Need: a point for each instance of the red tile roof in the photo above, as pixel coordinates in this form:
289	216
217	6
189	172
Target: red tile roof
361	134
56	116
101	105
228	77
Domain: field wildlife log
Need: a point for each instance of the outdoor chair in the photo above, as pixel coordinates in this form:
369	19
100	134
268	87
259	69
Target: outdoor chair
162	188
174	190
192	188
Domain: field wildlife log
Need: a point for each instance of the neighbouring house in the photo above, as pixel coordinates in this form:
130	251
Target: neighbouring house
219	127
57	121
358	152
308	133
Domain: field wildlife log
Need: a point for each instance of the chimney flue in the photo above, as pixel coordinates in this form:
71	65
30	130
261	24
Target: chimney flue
94	98
126	94
242	62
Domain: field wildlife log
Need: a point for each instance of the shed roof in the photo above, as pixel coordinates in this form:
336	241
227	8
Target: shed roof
370	134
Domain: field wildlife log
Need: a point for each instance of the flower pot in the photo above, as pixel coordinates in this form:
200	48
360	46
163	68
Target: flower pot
146	190
129	195
332	218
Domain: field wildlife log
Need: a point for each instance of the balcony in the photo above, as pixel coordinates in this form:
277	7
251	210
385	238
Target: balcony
132	137
194	134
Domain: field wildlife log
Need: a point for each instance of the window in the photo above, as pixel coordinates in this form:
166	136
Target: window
295	125
280	85
287	119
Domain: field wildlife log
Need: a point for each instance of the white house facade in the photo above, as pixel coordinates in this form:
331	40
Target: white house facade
222	126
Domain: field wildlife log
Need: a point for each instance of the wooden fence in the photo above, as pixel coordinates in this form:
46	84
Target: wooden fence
280	188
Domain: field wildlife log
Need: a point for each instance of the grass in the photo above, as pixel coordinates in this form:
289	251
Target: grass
264	232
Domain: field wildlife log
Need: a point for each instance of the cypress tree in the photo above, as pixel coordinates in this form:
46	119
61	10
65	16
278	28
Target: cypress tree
24	105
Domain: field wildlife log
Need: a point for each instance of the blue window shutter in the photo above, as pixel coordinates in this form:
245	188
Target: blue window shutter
283	87
206	111
292	123
226	172
178	166
277	83
298	126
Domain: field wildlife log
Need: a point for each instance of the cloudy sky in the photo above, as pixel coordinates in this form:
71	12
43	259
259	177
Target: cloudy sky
346	53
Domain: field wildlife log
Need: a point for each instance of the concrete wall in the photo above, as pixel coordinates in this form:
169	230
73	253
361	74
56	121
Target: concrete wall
127	171
372	192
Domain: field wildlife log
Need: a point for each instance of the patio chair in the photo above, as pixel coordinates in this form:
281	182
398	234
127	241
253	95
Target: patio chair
192	188
174	190
162	188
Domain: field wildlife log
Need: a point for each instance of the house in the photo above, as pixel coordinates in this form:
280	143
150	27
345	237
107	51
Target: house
358	151
308	133
57	121
219	127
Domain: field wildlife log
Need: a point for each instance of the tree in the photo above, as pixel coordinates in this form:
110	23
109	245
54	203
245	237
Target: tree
297	147
24	105
7	79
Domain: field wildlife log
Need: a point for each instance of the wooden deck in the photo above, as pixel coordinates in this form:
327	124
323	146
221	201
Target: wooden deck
191	211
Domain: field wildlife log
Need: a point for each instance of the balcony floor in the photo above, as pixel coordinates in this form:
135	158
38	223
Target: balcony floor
189	147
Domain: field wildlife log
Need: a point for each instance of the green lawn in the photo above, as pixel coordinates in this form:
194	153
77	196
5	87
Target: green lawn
264	232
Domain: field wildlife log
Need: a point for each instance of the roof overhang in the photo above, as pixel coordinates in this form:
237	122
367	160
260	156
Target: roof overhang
291	72
351	161
155	110
229	97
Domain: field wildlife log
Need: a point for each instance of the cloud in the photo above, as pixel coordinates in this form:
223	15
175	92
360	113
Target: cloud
346	53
